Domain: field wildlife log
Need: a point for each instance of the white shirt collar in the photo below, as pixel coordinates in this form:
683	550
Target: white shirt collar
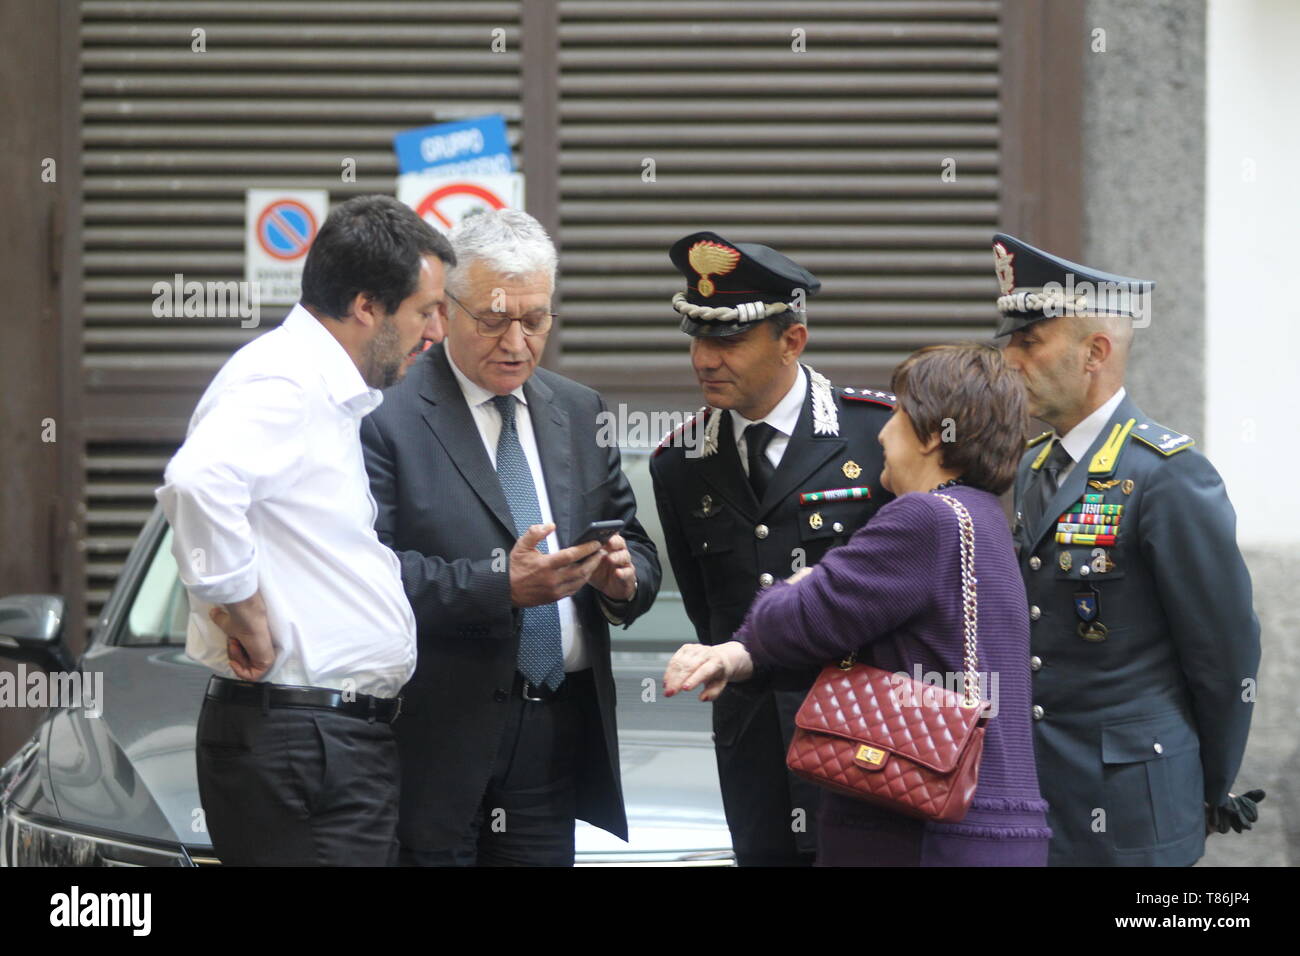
1079	439
785	416
343	380
475	394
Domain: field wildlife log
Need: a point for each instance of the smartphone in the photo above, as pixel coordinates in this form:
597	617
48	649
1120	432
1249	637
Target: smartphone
600	531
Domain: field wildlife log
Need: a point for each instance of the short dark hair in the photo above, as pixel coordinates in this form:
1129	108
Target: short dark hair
784	320
968	390
370	244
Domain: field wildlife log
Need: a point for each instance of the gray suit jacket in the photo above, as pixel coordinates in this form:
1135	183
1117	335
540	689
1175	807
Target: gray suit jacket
1136	730
441	508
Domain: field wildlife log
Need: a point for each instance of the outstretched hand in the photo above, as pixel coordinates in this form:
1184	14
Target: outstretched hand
714	667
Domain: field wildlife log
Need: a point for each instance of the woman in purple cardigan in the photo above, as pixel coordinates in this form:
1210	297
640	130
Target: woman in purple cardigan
892	593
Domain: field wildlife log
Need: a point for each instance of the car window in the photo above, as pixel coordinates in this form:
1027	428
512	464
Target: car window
160	611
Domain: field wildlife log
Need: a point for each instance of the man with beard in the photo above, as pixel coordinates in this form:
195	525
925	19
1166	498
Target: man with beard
1144	645
295	604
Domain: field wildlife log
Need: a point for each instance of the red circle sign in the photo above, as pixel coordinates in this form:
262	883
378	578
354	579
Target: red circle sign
428	205
285	229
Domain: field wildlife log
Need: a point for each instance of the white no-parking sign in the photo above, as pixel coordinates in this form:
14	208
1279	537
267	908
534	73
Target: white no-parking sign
279	226
444	201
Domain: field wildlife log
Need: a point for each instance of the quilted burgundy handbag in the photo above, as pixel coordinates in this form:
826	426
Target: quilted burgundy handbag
894	741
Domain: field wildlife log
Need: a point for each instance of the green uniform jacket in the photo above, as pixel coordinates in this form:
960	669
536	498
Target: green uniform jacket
1144	650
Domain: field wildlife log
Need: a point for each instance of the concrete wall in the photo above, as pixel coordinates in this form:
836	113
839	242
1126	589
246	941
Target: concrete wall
1252	315
1183	95
1143	186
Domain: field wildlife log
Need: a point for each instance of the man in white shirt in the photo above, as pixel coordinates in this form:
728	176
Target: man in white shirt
486	470
295	604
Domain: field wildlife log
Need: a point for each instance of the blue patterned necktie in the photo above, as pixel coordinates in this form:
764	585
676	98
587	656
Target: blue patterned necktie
541	654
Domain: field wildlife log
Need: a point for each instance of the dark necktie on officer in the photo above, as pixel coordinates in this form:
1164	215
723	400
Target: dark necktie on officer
1047	484
541	654
757	438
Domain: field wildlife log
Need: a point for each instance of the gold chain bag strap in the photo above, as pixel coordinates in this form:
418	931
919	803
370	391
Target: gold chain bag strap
894	741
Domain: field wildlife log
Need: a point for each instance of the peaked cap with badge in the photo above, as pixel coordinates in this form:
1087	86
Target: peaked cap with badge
727	539
732	285
1037	285
1142	632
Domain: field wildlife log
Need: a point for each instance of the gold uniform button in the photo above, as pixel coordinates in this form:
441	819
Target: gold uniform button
1035	663
1035	563
761	531
1035	612
765	580
1037	712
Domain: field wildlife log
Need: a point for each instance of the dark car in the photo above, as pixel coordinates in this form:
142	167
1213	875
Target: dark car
111	781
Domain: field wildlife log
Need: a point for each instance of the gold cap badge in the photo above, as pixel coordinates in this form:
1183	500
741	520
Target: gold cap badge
711	258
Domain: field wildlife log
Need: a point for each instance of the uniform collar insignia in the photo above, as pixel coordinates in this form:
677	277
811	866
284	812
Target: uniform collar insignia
711	431
1103	463
826	417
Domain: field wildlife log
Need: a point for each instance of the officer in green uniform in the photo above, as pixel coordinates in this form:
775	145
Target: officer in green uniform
1143	638
776	469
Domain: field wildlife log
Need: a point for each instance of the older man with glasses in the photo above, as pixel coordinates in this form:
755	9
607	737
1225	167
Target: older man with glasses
486	470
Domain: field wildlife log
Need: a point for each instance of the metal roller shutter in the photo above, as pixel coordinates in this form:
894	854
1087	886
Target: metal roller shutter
284	92
834	155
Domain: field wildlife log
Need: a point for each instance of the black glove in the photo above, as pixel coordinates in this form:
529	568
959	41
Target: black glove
1238	813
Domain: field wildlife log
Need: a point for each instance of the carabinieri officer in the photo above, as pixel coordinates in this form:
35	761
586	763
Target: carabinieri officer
776	469
1144	642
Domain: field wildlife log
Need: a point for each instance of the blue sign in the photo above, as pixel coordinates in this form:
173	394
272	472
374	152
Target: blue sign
471	147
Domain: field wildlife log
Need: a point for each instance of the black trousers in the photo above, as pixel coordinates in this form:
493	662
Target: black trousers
770	812
293	787
527	814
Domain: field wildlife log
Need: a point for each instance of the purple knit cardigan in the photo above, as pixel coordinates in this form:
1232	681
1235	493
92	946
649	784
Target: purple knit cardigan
892	593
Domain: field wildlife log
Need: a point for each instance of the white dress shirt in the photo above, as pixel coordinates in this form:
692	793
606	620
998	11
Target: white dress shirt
1079	439
488	420
269	492
783	417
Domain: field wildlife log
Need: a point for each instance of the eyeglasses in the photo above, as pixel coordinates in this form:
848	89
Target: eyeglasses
496	325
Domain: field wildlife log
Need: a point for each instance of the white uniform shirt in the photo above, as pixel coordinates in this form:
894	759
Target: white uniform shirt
783	417
488	420
269	492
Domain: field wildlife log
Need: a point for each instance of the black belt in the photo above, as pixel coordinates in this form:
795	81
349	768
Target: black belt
542	694
382	709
